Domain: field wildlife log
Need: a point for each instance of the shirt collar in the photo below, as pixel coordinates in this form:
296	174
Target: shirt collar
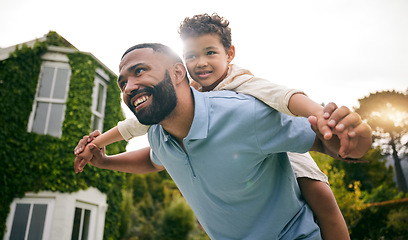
199	127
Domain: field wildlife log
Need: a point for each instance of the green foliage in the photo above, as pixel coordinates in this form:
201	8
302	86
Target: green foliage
145	192
356	185
16	98
140	188
158	210
388	221
398	222
178	220
371	174
127	210
382	193
53	39
32	162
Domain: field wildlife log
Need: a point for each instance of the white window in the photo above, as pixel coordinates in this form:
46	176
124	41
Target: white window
30	218
99	100
49	104
84	221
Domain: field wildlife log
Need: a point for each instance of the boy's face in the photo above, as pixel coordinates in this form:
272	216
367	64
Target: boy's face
207	60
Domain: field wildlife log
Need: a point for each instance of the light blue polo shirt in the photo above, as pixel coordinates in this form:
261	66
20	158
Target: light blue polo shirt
235	173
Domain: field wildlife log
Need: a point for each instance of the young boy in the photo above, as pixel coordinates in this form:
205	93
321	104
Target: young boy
208	53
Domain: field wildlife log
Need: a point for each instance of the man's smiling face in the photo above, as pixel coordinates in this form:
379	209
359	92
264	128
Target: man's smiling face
146	85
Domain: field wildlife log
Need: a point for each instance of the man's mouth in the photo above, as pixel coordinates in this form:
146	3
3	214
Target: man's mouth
140	100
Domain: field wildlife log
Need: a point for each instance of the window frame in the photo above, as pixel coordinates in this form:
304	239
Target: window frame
51	100
92	219
50	202
100	79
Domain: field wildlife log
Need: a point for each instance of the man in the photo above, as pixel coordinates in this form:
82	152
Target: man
225	151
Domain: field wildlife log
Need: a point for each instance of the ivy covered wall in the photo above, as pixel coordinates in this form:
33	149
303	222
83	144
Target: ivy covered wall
31	162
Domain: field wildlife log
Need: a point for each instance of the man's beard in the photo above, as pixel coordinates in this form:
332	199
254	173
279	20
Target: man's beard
164	100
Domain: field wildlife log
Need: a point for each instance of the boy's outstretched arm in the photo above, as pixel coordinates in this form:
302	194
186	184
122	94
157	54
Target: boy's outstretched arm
301	105
100	140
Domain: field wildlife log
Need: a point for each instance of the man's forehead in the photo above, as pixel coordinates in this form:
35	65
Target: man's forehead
143	55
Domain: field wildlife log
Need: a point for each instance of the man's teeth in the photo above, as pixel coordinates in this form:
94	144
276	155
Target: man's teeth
141	100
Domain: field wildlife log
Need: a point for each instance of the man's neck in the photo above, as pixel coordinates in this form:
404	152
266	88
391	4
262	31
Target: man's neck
179	121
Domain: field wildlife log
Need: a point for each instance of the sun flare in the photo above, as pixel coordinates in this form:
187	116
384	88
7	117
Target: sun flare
399	118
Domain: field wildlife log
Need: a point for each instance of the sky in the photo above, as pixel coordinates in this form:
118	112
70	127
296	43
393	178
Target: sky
335	51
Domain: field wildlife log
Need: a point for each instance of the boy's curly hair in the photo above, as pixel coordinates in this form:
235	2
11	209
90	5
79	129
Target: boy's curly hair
204	24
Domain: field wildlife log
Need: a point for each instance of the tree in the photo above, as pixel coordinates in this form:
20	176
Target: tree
178	220
371	174
387	113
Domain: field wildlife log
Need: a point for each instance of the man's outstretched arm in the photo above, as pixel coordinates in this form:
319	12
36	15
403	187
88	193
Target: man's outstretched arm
131	162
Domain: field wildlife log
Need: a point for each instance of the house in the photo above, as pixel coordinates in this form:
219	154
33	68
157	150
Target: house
51	94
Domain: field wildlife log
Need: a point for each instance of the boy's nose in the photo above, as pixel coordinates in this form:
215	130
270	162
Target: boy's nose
202	62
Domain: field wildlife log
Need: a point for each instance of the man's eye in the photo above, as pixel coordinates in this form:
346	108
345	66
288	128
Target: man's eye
122	85
139	71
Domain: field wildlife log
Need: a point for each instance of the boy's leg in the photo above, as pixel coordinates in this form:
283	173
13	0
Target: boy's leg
321	200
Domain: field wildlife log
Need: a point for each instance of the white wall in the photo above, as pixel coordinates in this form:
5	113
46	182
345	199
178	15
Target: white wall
63	210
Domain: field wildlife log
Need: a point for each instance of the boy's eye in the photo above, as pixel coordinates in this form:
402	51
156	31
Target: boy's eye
211	53
191	56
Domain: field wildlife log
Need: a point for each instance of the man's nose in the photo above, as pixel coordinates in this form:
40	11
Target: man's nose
131	86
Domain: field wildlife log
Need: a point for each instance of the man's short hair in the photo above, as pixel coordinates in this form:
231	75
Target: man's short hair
157	47
205	24
160	48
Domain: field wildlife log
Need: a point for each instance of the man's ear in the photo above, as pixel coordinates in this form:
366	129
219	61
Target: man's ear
231	54
179	71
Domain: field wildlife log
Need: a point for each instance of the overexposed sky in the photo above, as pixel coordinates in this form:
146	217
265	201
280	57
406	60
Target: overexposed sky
333	50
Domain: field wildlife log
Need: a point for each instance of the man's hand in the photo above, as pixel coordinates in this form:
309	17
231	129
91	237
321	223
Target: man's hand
353	136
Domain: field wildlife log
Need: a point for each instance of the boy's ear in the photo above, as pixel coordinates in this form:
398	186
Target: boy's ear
179	71
231	54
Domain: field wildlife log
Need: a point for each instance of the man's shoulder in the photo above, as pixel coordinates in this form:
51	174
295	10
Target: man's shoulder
231	99
227	94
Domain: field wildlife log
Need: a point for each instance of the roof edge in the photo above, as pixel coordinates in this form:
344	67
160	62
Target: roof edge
54	38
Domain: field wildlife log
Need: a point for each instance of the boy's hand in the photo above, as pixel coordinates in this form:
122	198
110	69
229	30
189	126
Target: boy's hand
353	134
322	123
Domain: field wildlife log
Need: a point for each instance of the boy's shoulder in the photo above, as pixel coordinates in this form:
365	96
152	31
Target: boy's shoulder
236	76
